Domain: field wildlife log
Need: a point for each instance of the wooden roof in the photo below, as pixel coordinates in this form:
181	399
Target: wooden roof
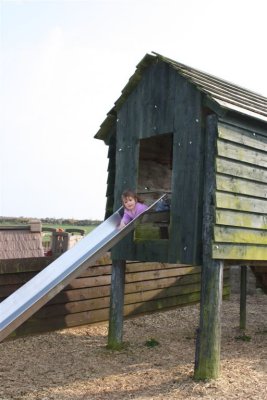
219	93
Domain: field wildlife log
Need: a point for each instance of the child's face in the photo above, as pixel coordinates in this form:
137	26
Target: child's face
129	203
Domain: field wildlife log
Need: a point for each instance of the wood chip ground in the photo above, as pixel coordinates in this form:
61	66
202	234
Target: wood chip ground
74	364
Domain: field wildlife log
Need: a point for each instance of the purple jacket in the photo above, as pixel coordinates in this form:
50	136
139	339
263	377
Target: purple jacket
130	215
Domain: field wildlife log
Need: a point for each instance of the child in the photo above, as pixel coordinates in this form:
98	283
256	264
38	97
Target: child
133	206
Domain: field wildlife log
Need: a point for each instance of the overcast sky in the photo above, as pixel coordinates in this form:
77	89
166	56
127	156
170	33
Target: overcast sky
64	64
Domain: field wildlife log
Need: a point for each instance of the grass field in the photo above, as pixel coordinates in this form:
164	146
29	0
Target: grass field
87	228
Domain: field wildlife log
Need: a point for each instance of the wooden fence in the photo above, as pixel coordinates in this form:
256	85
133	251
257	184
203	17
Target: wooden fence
149	287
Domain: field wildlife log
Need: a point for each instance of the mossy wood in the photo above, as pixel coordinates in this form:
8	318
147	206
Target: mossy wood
240	228
207	359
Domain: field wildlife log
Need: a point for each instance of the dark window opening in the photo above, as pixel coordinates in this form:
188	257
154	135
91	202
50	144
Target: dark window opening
154	179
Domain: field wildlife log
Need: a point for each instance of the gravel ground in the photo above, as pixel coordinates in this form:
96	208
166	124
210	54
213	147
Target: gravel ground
74	364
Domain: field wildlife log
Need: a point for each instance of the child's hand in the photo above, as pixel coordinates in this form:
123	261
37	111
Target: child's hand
122	225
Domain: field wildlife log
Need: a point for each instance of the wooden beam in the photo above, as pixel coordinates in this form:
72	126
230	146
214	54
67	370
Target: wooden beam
243	296
115	332
207	360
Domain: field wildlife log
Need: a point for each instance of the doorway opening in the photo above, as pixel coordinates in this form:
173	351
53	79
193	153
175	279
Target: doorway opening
154	180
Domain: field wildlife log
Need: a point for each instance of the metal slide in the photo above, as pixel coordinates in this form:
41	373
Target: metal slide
30	297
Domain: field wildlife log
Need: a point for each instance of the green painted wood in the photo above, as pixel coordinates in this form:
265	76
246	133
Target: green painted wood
186	211
115	331
151	250
242	219
242	191
237	235
207	359
244	123
239	252
241	153
242	203
150	112
243	136
241	186
158	105
237	169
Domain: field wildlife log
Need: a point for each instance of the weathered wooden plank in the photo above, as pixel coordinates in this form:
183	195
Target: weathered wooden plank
239	252
247	138
242	219
13	279
24	264
89	282
241	203
151	266
229	150
149	275
80	294
103	291
242	186
161	283
90	317
241	170
236	235
100	303
73	307
86	289
130	277
96	271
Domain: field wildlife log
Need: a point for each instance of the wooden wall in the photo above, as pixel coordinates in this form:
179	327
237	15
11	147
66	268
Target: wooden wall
240	232
149	287
163	103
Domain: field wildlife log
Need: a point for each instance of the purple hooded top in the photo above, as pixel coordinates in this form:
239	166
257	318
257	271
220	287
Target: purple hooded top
130	215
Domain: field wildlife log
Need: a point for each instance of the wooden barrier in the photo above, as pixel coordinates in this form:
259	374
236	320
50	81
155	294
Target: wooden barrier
148	287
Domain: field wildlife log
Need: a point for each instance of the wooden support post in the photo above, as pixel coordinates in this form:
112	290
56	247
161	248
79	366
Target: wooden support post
208	346
115	332
207	360
243	296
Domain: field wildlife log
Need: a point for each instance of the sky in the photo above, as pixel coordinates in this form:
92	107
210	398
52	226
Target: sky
63	64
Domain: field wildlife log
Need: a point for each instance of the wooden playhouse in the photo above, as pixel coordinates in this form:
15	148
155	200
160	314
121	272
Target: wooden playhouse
203	141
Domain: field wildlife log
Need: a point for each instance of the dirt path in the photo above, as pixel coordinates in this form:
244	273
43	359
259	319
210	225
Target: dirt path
74	364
